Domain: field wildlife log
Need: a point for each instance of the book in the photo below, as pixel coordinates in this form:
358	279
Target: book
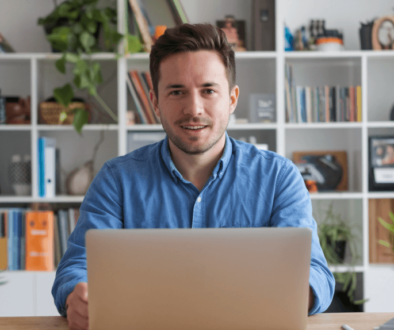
308	104
327	103
352	103
142	96
63	230
133	92
39	240
3	240
359	108
56	242
142	25
145	86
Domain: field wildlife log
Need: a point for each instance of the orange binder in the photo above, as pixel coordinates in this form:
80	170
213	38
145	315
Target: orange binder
39	240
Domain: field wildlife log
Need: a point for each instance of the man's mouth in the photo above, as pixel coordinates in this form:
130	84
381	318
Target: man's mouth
193	127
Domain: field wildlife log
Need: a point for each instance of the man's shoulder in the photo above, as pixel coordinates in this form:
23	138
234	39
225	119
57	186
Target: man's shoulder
247	153
136	157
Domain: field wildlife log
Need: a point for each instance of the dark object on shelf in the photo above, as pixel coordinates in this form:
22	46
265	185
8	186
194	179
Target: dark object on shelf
381	163
5	46
392	113
50	110
17	110
235	32
263	25
3	116
366	35
328	169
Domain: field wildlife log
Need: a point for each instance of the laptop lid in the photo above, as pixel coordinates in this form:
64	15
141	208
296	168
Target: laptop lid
229	278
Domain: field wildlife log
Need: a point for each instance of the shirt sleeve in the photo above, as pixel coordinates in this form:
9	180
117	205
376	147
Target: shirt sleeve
101	208
293	208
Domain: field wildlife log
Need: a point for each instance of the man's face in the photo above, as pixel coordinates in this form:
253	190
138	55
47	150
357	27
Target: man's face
194	102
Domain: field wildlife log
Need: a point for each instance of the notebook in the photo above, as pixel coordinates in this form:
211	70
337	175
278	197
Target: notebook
211	278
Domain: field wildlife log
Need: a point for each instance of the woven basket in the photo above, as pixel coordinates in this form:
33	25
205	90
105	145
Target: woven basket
50	112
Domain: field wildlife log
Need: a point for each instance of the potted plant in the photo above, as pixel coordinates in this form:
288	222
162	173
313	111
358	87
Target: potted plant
73	29
390	228
335	235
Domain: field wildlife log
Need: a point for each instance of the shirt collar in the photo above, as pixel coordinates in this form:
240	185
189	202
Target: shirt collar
218	171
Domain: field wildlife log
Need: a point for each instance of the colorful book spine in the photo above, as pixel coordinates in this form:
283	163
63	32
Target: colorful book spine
359	107
3	240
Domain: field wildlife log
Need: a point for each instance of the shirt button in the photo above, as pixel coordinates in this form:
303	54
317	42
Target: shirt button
199	199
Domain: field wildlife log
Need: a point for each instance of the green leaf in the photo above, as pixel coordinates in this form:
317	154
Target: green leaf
63	116
133	44
81	67
95	74
87	41
61	64
384	243
71	57
81	118
386	225
81	81
64	95
391	215
92	90
77	28
59	38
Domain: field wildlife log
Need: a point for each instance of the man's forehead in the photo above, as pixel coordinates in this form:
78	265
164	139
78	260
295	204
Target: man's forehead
206	65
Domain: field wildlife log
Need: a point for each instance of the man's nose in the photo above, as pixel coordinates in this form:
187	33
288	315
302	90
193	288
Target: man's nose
194	106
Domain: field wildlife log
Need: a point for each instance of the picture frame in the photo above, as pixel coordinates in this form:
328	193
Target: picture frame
262	108
235	31
381	163
328	168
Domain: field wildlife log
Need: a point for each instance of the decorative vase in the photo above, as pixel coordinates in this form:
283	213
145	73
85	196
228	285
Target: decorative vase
20	174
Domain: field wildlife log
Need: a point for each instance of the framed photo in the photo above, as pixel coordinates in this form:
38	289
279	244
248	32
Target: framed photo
381	163
327	168
235	32
262	108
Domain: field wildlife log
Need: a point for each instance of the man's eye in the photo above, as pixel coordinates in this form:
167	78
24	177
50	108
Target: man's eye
209	91
175	93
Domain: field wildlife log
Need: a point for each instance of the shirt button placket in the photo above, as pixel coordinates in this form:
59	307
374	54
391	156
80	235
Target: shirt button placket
197	213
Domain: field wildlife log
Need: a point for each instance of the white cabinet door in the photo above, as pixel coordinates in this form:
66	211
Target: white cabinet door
379	289
44	299
17	295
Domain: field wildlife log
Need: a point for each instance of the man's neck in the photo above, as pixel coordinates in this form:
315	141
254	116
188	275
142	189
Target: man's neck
197	168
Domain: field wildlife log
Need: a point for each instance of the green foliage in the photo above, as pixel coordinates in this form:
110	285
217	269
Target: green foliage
74	26
332	229
390	228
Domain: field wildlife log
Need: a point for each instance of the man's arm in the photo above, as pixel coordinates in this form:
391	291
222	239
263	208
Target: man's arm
101	209
293	208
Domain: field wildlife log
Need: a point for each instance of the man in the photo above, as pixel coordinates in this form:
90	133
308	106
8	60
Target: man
196	177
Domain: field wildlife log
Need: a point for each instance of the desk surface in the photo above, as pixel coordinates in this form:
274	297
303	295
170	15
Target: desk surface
358	321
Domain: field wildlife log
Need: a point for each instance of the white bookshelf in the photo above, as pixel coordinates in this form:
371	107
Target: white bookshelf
257	72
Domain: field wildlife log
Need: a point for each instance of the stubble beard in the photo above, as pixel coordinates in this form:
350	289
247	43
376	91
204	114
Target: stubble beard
187	148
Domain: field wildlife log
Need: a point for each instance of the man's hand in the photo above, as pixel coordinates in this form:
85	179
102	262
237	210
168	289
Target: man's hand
77	307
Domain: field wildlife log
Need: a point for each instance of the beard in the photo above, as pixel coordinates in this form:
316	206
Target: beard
187	147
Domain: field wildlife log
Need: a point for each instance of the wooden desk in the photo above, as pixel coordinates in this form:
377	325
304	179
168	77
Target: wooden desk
358	321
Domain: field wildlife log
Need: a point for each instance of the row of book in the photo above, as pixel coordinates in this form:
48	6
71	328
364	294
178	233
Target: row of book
139	84
34	240
306	104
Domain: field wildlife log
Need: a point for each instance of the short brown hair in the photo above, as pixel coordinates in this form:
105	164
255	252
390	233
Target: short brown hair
191	38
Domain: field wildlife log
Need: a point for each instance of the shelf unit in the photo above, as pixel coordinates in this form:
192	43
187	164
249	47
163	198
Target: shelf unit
257	72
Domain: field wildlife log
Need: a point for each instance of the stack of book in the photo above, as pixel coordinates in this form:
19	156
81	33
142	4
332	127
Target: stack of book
139	84
306	104
34	240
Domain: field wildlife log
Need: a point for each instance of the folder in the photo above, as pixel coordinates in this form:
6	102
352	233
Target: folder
46	167
39	240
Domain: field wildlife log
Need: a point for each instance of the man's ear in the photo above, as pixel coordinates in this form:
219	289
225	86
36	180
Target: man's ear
234	98
155	102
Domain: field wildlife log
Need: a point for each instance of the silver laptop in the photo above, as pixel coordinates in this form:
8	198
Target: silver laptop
229	278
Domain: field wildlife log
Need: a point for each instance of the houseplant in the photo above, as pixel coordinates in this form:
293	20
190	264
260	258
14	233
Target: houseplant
73	29
390	228
335	234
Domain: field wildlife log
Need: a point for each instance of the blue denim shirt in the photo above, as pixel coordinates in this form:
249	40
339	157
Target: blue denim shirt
143	189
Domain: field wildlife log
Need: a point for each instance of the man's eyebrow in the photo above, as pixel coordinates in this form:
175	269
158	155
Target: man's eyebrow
207	84
175	86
